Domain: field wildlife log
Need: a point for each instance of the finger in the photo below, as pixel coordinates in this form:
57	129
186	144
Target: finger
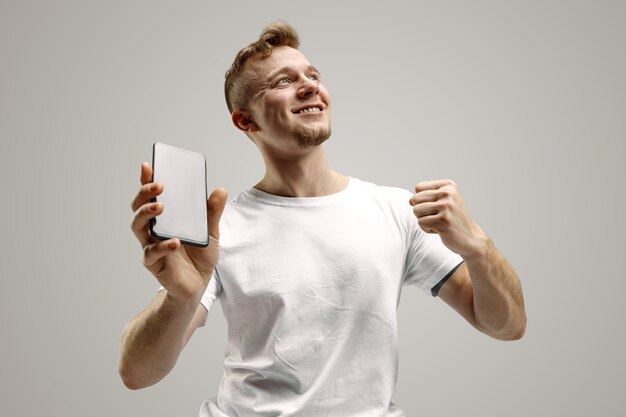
146	193
426	196
146	173
154	253
216	203
426	209
429	224
432	185
141	220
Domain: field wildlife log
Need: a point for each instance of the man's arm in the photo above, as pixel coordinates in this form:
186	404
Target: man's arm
484	289
486	292
155	338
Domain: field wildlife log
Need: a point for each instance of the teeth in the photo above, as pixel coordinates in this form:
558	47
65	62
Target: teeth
310	110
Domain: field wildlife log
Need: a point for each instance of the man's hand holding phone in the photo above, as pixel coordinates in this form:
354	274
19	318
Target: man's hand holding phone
183	270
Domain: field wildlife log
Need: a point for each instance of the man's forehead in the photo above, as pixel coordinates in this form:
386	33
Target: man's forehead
260	67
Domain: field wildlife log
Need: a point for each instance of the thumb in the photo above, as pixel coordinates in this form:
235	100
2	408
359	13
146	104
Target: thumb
216	203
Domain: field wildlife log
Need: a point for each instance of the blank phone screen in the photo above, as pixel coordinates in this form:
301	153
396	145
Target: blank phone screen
183	175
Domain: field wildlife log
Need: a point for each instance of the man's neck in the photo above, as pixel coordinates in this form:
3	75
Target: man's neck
307	175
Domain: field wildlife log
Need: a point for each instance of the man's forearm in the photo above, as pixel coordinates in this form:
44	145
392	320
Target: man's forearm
154	339
497	295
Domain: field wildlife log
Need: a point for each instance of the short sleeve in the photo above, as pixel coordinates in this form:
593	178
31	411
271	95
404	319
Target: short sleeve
428	260
212	292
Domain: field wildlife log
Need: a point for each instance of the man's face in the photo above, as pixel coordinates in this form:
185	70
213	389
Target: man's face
289	102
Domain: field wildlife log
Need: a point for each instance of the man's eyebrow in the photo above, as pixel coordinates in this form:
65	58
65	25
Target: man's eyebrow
286	69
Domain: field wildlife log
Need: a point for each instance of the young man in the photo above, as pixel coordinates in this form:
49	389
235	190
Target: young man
311	262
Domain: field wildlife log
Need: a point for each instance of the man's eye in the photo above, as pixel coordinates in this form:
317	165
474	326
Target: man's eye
314	77
284	80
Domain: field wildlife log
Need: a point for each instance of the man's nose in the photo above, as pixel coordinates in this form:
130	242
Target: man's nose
308	88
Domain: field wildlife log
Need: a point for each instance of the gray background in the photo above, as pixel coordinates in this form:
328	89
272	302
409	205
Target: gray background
522	103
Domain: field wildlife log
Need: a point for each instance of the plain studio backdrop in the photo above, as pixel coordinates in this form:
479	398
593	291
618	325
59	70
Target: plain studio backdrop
521	103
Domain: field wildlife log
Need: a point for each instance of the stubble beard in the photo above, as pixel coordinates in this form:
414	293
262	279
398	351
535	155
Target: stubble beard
308	138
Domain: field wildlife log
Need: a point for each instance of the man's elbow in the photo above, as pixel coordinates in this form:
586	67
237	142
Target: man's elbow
513	332
520	331
513	336
130	379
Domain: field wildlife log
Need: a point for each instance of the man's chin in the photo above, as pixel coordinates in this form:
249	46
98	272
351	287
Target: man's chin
308	137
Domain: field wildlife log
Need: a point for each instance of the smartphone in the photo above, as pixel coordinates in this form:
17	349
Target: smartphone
183	175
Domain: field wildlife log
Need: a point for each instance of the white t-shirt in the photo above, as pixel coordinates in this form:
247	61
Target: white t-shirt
310	288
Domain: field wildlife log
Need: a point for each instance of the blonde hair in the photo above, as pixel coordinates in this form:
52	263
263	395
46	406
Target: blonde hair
236	85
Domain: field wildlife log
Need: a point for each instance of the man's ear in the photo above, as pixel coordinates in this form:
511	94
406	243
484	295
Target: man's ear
243	121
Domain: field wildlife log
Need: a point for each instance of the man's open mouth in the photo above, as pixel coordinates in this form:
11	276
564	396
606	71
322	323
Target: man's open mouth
312	109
